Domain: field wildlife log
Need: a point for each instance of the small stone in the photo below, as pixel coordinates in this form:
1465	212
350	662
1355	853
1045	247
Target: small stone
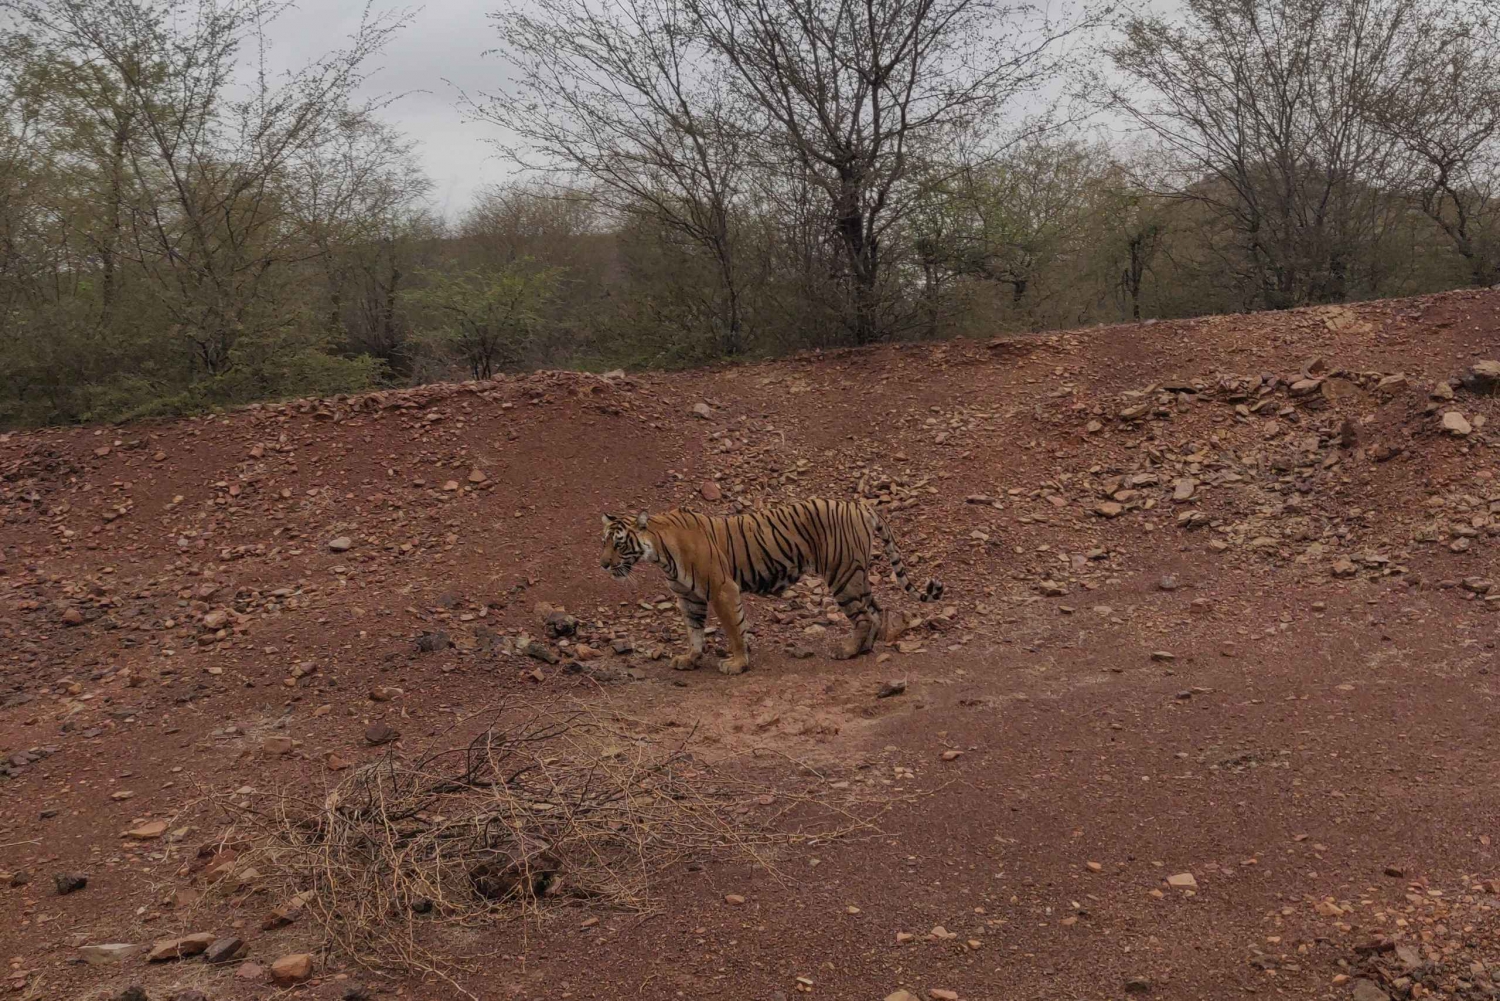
1183	489
1365	990
537	649
451	486
939	994
72	617
891	688
1442	391
433	642
276	746
1109	509
477	476
951	755
336	762
223	950
287	912
292	969
1201	606
110	953
1168	583
1182	881
1094	866
180	948
1344	567
901	995
1163	656
1228	649
734	900
1052	589
1395	872
1482	377
148	831
249	971
704	411
1455	424
622	646
1138	985
381	732
341	545
66	882
135	992
710	491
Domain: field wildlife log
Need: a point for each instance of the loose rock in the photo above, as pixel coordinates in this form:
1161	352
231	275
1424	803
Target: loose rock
381	732
293	969
110	953
180	948
223	950
67	882
1455	424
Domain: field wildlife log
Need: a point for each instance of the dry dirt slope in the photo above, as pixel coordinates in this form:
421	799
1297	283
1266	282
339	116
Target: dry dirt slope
1218	603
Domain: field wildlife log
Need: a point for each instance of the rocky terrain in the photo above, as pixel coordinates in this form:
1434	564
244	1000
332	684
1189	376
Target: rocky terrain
1207	709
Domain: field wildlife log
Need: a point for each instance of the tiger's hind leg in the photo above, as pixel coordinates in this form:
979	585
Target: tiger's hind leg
864	614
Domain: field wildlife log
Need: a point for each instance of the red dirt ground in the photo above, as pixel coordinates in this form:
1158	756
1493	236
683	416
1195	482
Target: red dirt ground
1302	717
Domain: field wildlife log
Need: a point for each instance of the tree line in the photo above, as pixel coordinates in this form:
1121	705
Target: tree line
182	228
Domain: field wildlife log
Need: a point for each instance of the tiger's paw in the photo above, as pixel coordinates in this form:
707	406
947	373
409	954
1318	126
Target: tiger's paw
849	649
685	662
734	665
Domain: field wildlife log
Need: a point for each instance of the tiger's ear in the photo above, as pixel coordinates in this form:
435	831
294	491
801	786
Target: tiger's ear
606	519
640	520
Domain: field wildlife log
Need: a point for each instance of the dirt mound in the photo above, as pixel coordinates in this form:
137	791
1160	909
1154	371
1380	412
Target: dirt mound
1211	585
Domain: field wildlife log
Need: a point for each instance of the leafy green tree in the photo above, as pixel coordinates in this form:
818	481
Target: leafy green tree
486	320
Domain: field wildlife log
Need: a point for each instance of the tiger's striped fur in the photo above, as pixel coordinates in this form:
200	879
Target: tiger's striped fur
711	560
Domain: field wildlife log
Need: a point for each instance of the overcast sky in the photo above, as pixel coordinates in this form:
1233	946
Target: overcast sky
438	54
445	40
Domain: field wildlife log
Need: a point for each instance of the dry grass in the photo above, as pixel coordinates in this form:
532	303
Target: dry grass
547	804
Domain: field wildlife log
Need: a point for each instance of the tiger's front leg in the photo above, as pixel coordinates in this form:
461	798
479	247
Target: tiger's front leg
731	612
694	614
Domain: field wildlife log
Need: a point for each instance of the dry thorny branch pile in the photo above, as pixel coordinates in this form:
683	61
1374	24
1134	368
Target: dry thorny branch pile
548	803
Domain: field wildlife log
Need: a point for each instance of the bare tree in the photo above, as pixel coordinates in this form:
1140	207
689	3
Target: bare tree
1444	109
353	187
206	148
624	93
862	96
1266	106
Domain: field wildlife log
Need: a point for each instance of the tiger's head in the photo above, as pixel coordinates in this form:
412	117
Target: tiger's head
626	543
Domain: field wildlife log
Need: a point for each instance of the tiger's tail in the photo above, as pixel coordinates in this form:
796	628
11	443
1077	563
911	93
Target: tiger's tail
931	591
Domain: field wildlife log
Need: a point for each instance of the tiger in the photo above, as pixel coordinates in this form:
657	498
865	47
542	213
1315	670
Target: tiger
713	560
